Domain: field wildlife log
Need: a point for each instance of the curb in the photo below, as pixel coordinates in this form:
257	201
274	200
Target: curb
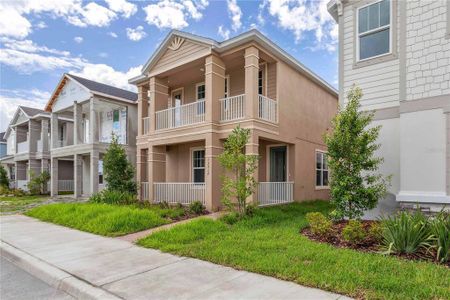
53	276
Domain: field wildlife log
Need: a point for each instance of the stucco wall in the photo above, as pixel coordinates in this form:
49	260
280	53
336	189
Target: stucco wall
179	162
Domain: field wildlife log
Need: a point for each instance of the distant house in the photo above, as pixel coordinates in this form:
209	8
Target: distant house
193	91
2	145
398	52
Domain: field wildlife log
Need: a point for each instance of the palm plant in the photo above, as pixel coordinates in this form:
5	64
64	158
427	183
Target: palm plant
440	228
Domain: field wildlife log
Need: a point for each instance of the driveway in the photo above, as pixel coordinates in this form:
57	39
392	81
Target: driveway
132	272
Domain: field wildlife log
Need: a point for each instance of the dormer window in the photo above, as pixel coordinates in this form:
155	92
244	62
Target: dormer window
374	30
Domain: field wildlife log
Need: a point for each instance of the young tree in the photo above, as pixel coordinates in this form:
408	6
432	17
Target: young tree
4	181
355	182
118	171
241	184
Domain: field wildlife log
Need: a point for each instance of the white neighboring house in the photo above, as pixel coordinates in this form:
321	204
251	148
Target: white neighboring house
84	115
398	52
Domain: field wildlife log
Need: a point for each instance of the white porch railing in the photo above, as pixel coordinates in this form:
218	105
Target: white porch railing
179	192
268	109
183	115
145	125
65	185
22	147
271	193
232	108
22	184
144	191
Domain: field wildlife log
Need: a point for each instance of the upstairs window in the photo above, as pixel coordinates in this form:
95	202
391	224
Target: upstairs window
321	169
198	166
374	29
201	93
260	82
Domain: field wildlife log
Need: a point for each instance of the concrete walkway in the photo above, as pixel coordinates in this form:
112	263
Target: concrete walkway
124	270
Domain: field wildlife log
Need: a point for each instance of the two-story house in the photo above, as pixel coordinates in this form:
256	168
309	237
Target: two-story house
193	91
27	145
3	145
398	52
84	116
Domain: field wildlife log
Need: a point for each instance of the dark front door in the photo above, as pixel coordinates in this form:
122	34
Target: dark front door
278	166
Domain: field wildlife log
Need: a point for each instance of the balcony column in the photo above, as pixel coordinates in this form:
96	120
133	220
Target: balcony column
142	107
77	123
34	130
159	95
93	128
44	168
141	169
94	171
251	82
54	177
156	162
54	130
77	175
44	135
252	148
213	171
214	87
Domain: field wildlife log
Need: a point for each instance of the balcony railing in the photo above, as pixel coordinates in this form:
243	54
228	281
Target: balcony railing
179	116
179	192
232	108
22	147
22	184
65	185
144	191
272	193
145	125
267	109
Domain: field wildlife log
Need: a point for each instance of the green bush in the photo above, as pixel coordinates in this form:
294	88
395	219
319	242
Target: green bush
196	207
406	233
231	218
353	232
4	190
376	232
319	224
440	228
18	192
38	183
113	197
4	180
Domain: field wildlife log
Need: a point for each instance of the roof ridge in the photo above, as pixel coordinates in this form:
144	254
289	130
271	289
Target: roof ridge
98	82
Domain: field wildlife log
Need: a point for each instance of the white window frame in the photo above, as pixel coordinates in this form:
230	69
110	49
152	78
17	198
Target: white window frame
196	90
268	147
321	187
358	35
227	91
191	162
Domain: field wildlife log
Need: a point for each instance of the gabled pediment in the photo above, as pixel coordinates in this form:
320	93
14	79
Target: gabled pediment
67	91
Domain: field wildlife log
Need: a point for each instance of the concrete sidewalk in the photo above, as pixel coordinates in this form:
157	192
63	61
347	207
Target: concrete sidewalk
124	270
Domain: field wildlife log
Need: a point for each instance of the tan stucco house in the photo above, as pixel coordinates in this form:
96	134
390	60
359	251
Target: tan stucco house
83	116
193	91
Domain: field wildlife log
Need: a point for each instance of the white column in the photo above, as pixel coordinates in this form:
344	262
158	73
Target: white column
44	135
54	177
77	123
77	176
93	129
94	171
54	130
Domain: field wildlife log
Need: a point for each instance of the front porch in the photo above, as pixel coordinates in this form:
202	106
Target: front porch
181	172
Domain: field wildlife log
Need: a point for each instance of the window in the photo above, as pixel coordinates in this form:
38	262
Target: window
198	166
374	29
321	169
227	87
200	89
100	172
260	82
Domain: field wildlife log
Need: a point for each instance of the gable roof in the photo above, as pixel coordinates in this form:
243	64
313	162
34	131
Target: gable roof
249	36
94	87
2	137
29	113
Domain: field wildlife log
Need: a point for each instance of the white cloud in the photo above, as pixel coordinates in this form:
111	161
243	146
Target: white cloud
301	16
103	54
106	74
13	24
136	34
78	39
10	99
235	14
174	14
223	32
41	25
112	34
92	14
123	7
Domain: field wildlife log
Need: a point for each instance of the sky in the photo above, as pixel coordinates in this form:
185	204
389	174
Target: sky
109	40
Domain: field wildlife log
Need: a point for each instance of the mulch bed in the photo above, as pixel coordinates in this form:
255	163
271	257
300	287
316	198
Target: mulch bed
369	244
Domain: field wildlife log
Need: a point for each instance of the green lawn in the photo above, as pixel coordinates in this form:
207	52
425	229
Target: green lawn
270	244
104	219
19	204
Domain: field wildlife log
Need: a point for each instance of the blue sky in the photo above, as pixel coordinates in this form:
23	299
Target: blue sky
110	40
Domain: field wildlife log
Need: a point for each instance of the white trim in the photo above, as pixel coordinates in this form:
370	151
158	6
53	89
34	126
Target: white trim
196	90
227	78
378	29
182	96
423	197
268	161
320	187
191	163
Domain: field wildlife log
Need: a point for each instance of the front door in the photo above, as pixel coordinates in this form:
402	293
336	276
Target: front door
278	162
176	103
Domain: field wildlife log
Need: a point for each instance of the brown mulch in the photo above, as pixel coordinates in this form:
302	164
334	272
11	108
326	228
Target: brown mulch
369	244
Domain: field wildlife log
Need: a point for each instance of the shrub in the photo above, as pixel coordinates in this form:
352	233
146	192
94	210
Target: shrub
38	183
4	190
164	205
406	233
353	232
231	218
440	228
113	197
18	192
376	232
319	224
4	181
196	207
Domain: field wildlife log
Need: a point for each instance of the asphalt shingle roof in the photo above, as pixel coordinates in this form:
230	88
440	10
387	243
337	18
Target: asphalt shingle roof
32	111
105	89
2	137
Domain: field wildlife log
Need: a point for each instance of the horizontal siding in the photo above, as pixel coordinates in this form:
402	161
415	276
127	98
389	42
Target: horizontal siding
379	82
